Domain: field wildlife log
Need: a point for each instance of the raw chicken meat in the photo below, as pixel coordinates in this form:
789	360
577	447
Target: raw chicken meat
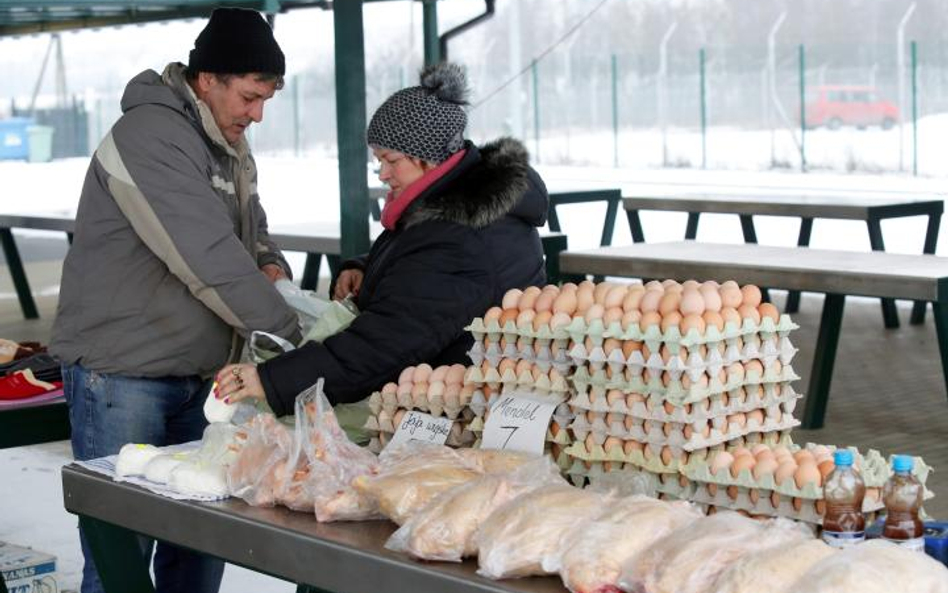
874	567
690	559
772	569
446	528
260	470
591	554
517	537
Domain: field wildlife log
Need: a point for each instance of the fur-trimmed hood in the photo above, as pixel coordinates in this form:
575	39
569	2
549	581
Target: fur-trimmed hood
490	182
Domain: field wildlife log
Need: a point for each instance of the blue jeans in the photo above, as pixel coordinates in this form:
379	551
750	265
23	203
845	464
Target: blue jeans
107	411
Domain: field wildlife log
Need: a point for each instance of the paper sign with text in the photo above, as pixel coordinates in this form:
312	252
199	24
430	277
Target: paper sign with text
518	423
417	426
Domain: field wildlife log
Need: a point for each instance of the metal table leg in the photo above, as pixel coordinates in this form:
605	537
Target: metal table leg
20	282
940	312
612	208
691	228
552	246
635	226
931	242
310	278
335	262
118	557
824	357
750	236
793	297
889	314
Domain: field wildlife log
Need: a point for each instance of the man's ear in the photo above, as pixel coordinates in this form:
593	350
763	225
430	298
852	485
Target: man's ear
205	80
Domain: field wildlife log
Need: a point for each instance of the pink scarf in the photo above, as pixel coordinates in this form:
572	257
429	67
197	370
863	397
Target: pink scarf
395	207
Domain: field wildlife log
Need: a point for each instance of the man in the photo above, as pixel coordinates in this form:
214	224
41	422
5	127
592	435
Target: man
171	265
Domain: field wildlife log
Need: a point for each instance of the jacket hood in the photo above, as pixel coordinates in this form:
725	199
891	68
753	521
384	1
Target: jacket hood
150	88
491	182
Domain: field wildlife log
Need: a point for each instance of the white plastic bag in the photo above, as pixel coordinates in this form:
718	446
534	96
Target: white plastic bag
445	529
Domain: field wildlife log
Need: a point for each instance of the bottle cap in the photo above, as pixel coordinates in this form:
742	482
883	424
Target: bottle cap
843	458
902	463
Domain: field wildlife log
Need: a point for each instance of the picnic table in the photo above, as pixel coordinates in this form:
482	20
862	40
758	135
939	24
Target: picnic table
834	273
346	557
872	207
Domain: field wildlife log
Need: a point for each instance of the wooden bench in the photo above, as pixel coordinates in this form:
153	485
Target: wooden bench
835	273
868	206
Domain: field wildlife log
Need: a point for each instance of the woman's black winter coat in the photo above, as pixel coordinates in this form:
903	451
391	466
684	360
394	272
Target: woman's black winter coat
456	250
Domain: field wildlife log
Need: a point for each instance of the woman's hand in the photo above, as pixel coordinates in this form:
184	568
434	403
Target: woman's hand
238	381
349	282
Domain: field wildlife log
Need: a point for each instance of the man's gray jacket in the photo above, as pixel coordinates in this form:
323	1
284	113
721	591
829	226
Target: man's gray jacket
163	277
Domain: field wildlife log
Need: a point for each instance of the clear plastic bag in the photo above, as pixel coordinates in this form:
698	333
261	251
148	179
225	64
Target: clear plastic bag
260	471
491	461
773	569
875	566
445	529
515	539
690	559
332	462
591	554
412	475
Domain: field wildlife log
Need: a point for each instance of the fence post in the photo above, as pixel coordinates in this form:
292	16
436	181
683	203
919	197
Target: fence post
536	108
704	111
615	112
802	109
915	109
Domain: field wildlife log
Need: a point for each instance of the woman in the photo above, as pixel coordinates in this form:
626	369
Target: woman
460	230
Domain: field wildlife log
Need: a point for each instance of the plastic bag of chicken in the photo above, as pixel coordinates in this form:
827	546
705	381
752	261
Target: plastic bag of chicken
445	529
516	538
591	554
691	558
332	462
262	469
412	475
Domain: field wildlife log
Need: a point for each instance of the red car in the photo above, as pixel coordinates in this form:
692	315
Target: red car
850	105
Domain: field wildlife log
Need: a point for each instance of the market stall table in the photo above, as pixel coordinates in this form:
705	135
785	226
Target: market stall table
835	273
872	207
337	557
33	422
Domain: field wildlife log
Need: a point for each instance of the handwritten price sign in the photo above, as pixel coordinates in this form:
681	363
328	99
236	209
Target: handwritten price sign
417	426
518	423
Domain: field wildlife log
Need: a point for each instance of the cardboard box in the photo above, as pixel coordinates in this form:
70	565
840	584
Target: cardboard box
27	571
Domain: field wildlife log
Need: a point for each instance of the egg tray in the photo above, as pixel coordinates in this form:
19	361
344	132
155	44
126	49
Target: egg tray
550	382
674	485
672	434
653	407
694	364
873	469
434	405
481	401
675	391
578	330
545	356
561	437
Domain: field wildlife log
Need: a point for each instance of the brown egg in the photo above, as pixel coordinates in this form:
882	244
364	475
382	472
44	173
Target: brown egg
732	491
820	506
744	462
721	460
741	451
565	303
601	290
730	297
649	319
667	456
512	298
736	369
797	504
407	375
422	373
633	298
630	318
768	310
614	396
507	364
615	296
765	466
560	320
711	298
629	446
750	295
667	353
584	299
753	366
755	416
754	495
692	303
712	489
630	346
614	418
509	315
523	366
419	389
692	322
493	314
439	374
668	428
825	468
611	344
436	389
785	471
634	398
612	443
540	319
670	320
612	315
569	287
669	303
807	473
593	313
529	297
731	315
397	419
775	500
650	301
545	301
713	318
803	456
749	312
525	318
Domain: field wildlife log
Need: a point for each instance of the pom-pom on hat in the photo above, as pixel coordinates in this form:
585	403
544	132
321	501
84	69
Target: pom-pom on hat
425	121
237	41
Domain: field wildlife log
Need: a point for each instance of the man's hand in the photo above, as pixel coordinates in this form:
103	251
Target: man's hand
349	282
273	272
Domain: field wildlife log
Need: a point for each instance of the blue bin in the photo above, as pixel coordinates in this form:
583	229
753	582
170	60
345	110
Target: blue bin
14	138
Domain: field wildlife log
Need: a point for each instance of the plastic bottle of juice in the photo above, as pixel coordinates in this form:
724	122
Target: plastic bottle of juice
903	498
844	524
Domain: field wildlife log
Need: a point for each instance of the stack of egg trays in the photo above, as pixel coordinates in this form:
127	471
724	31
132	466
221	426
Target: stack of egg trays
763	496
545	354
666	486
386	406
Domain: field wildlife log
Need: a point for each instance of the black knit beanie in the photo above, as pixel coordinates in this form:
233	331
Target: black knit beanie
426	121
237	41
